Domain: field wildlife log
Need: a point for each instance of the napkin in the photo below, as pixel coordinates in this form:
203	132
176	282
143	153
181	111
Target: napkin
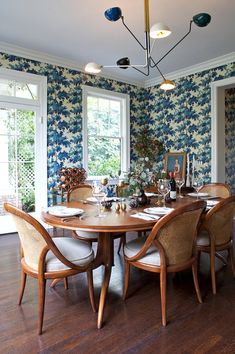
145	216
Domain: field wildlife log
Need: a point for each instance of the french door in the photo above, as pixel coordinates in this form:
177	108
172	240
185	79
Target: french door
23	158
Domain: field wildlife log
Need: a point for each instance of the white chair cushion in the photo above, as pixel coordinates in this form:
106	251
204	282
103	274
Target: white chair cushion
76	251
203	239
152	256
87	234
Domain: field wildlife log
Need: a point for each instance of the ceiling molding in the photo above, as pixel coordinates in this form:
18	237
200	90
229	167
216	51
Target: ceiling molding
70	64
209	64
54	60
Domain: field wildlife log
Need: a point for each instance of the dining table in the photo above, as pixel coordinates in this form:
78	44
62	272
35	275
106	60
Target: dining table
113	221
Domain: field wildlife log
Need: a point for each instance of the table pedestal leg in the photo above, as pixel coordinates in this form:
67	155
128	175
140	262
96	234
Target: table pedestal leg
106	244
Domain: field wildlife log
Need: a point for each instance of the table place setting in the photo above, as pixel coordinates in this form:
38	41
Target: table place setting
145	216
63	211
158	210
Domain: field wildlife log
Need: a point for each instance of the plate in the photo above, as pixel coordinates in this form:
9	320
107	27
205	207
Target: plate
92	200
158	210
211	203
198	194
62	211
149	195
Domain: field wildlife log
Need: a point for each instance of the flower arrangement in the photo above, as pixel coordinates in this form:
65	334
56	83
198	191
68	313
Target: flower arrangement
140	176
147	148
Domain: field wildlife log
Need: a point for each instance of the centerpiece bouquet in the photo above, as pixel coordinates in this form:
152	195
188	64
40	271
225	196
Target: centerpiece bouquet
144	168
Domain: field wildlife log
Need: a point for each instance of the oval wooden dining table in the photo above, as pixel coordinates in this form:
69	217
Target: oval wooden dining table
113	222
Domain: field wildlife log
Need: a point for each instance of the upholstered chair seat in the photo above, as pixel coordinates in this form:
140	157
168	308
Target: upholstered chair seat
87	235
203	239
152	256
78	252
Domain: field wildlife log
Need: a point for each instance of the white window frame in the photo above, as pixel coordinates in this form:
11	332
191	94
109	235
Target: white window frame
125	124
39	106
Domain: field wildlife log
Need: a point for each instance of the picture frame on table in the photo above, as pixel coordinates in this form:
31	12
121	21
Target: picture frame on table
175	162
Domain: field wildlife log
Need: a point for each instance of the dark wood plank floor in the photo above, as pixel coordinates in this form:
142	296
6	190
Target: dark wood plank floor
133	326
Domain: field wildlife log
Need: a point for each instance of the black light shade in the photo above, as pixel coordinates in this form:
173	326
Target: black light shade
202	19
123	61
113	14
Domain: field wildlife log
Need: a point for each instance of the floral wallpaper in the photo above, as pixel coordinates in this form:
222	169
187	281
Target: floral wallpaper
64	100
229	138
180	118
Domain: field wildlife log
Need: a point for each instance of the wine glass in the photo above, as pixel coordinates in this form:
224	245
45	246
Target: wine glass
99	192
197	183
163	188
180	182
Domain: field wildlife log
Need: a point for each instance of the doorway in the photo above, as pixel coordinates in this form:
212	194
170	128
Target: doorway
218	147
23	144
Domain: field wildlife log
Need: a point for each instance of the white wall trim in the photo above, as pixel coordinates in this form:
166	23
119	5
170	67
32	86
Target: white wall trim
206	65
218	128
56	60
70	64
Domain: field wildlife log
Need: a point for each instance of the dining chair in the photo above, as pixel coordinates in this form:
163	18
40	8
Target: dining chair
169	248
216	234
221	190
43	257
81	193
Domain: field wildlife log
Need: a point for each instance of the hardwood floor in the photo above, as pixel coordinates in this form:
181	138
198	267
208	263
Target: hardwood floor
133	326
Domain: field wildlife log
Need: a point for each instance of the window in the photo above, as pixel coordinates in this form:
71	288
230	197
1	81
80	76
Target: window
105	132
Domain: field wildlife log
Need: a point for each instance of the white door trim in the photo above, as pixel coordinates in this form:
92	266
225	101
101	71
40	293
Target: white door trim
218	128
40	107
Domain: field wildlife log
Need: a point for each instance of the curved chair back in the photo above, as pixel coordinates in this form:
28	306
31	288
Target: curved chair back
219	221
35	240
175	235
80	192
221	190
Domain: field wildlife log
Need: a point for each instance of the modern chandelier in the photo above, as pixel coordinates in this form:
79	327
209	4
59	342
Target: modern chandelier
157	31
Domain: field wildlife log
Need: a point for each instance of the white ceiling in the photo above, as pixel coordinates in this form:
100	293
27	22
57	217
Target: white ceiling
77	30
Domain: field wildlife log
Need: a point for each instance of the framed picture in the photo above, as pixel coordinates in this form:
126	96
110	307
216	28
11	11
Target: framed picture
175	162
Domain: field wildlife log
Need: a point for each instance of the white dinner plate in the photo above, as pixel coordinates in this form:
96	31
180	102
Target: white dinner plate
149	195
158	210
198	194
63	211
211	203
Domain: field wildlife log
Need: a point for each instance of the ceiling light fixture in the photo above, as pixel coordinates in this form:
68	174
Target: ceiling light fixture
157	31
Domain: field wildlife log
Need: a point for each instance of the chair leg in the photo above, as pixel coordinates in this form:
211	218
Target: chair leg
230	252
126	278
120	245
23	282
212	266
66	285
42	289
195	280
163	295
91	289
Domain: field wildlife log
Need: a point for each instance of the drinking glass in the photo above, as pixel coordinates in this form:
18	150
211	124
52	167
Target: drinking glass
197	183
99	192
180	182
164	188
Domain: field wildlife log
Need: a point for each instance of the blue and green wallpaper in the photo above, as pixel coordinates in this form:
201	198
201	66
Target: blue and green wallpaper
179	118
